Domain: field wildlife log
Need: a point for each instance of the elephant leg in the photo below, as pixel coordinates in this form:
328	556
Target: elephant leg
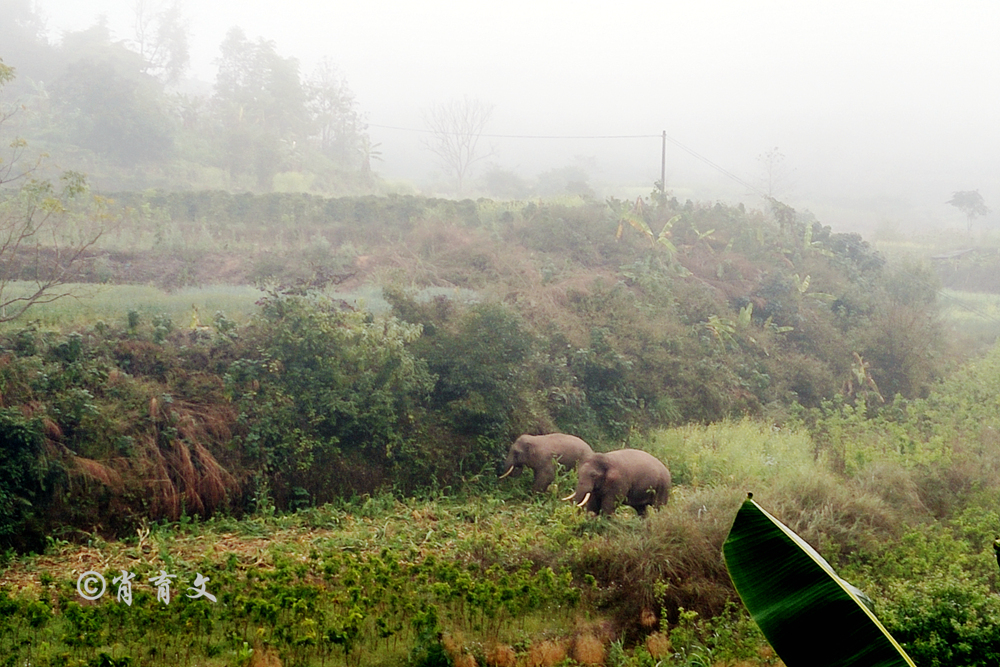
641	509
608	504
544	476
594	504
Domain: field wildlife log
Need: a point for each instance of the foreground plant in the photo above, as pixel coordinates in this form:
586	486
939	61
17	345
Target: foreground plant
809	614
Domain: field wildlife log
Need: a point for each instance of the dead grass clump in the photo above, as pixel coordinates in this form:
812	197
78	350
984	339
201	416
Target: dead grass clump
678	545
150	466
971	470
587	650
501	655
51	429
546	653
92	470
454	646
264	656
659	645
831	515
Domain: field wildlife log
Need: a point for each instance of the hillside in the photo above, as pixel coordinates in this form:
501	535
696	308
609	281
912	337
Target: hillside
397	347
488	319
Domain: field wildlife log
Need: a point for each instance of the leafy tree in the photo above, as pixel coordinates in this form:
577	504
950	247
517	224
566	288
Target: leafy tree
455	129
36	242
22	34
971	203
260	105
338	127
568	180
505	183
107	103
161	39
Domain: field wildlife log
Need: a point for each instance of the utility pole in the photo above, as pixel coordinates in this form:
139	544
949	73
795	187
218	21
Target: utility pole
663	167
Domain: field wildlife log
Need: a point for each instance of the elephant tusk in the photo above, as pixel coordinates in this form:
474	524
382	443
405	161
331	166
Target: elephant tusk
584	501
509	471
574	493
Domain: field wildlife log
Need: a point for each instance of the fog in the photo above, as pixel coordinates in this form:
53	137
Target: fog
880	109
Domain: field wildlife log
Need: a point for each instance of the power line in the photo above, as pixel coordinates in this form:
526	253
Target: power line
689	151
698	156
524	136
721	170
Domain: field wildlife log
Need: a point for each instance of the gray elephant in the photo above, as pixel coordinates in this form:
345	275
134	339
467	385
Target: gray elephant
636	478
540	452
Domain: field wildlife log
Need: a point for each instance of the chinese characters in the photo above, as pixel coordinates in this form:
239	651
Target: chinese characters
88	582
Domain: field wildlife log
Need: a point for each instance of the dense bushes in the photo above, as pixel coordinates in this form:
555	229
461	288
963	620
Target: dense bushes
26	480
609	321
326	396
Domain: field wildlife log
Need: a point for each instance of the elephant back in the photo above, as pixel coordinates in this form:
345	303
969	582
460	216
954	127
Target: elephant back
643	468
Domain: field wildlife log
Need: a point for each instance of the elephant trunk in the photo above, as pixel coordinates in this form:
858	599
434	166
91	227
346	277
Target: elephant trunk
509	471
584	501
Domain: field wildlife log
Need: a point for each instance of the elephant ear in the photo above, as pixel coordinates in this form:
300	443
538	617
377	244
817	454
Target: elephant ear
811	616
611	475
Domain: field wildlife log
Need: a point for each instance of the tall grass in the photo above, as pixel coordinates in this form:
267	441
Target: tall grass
743	455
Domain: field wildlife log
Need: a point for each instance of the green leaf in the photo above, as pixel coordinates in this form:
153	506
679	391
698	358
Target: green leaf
811	617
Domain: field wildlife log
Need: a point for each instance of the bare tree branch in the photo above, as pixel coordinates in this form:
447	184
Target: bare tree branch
45	233
455	129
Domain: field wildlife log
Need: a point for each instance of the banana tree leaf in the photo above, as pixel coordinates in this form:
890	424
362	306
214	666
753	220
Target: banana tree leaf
810	616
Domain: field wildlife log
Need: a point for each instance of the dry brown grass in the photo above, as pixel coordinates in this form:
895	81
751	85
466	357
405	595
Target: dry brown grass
680	545
835	517
92	470
264	656
501	655
659	645
546	653
454	646
587	650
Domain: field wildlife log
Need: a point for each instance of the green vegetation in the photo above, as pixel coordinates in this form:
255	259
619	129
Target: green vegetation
793	593
750	351
496	573
305	398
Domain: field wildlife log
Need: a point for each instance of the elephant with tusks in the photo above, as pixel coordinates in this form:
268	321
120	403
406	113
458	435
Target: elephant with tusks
540	453
632	476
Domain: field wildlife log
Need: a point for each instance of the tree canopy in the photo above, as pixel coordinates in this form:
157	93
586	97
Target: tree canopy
971	203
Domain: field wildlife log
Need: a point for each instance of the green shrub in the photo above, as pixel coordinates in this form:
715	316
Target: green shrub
26	481
326	395
943	619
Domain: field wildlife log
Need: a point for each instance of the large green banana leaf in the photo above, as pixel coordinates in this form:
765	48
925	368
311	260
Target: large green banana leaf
811	617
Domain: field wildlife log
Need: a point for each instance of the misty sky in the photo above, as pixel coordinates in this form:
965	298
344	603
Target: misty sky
881	109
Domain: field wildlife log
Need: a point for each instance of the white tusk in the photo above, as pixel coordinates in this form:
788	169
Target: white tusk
569	496
584	501
507	473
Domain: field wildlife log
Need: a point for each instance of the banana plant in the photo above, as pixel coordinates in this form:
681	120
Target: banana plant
810	616
635	217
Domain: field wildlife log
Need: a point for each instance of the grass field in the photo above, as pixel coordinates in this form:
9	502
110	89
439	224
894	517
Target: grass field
111	304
